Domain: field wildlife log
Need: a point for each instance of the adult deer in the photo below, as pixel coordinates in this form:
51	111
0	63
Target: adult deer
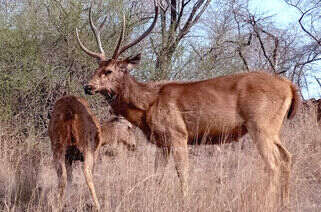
75	134
175	114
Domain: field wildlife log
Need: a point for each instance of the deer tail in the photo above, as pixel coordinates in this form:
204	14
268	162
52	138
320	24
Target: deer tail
294	103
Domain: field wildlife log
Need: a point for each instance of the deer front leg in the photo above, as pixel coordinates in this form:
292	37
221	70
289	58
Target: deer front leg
161	161
169	130
180	153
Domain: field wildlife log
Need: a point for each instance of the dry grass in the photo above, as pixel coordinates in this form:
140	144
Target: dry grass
227	178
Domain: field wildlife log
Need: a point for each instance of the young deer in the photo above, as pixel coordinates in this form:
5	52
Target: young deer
116	132
75	134
175	114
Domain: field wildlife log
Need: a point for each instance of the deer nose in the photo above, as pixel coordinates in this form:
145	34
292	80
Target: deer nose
132	147
88	89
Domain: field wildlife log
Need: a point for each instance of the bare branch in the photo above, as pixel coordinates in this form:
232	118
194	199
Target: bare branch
306	31
303	13
173	21
180	14
191	19
318	80
163	27
137	40
257	30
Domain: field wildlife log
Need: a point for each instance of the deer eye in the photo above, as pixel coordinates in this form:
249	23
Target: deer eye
106	72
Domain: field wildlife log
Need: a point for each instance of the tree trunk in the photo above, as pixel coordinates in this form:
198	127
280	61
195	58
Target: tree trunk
163	65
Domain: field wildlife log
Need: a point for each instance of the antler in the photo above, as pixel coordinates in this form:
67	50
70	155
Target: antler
100	56
117	53
120	39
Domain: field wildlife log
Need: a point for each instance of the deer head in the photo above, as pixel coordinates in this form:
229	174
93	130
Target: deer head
108	78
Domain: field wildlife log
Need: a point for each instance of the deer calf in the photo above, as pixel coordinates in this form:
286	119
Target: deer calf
115	132
75	134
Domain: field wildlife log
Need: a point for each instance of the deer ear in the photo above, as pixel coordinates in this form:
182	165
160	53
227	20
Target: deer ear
131	62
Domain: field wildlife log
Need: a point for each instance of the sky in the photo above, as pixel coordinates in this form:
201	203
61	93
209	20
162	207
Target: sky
285	15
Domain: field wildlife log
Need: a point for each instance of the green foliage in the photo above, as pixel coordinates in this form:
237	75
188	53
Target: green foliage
29	59
40	58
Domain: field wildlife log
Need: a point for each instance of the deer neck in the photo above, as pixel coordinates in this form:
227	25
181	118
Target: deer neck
138	95
135	99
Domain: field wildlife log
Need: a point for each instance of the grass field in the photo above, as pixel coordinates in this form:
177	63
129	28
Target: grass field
224	178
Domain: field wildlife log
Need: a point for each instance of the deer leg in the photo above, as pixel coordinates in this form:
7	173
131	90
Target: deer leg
271	156
161	161
68	163
286	160
89	158
59	160
180	154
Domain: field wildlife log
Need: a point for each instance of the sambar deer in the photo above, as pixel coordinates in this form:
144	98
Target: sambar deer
175	114
117	132
75	134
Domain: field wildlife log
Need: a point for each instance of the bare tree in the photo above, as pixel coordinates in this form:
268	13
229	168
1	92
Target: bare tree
177	19
309	53
309	10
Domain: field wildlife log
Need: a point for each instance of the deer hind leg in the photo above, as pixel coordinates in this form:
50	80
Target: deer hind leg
68	163
59	161
271	156
89	159
286	162
161	161
278	161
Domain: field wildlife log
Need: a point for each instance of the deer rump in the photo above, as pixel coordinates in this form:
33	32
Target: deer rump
72	152
68	124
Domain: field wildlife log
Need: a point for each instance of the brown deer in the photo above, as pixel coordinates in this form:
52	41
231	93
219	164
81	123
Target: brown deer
115	132
75	134
175	114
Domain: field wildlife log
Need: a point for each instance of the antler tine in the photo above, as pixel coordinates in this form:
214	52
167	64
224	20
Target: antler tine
143	35
82	46
100	56
120	39
97	33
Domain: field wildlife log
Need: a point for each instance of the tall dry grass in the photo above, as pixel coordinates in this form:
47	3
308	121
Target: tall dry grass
228	178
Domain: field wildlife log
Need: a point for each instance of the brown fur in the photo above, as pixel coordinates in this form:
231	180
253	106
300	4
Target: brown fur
295	103
117	131
75	134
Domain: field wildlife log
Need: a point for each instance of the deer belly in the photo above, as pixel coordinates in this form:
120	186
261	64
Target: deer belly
217	137
215	125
